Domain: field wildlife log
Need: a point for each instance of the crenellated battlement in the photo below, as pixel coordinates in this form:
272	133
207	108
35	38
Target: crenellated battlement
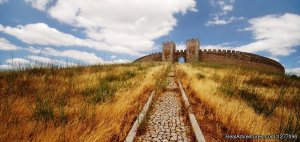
193	53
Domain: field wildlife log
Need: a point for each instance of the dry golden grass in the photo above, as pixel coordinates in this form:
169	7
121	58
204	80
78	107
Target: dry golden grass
95	103
245	100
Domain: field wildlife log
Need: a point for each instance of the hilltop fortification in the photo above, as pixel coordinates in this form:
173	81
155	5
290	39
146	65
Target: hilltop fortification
193	53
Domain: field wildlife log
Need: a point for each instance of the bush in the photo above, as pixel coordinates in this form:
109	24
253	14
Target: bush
200	76
43	110
229	85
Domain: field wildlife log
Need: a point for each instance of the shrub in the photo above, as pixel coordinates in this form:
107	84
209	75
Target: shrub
43	110
200	76
127	75
229	85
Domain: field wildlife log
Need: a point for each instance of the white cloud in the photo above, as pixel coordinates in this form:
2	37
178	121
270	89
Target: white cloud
32	61
42	34
276	34
5	67
220	17
218	46
274	58
44	60
217	21
6	45
3	1
130	27
113	56
39	4
17	61
40	61
132	24
227	8
118	61
86	57
295	71
180	46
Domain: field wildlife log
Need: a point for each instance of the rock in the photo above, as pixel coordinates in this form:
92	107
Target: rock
173	138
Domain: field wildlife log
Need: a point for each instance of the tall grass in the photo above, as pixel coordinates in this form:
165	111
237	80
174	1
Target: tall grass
241	97
79	103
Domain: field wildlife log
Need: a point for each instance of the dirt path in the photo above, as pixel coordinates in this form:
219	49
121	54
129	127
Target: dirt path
167	122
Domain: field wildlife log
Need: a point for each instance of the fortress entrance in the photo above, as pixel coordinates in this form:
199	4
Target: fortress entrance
191	54
181	60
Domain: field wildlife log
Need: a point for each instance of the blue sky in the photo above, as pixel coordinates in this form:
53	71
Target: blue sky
101	31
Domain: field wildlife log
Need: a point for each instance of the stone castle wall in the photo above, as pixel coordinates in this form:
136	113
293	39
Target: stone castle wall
224	57
240	58
150	58
193	53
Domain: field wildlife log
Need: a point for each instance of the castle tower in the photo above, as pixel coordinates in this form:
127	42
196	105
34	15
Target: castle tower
168	53
192	50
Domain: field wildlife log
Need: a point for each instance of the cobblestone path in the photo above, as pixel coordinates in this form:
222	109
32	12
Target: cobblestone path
166	122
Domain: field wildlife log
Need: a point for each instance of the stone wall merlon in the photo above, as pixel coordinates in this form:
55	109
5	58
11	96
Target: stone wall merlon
193	39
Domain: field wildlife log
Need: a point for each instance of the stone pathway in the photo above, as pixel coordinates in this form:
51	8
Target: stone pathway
166	122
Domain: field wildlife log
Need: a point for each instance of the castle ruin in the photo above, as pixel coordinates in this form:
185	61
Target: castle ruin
193	53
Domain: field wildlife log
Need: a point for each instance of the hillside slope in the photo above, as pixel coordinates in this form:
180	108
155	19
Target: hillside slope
74	104
239	100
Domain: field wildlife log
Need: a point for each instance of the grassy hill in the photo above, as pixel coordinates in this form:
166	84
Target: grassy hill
240	100
101	102
76	103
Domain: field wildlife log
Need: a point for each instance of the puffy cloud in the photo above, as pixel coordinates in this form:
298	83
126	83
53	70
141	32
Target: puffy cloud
224	6
181	46
132	24
6	45
130	27
39	4
83	56
40	61
17	61
5	67
42	34
44	60
118	61
32	61
276	34
86	57
295	71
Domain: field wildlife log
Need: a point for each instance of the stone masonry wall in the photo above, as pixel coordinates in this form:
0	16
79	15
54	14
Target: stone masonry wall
150	58
224	57
192	50
240	58
194	54
169	49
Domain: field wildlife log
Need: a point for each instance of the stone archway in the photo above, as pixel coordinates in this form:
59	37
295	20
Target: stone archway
181	59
